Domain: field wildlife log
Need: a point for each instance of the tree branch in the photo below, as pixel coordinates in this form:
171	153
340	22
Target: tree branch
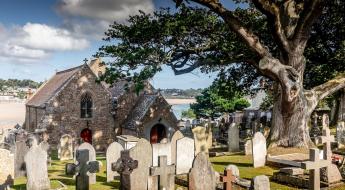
272	12
235	24
312	9
328	88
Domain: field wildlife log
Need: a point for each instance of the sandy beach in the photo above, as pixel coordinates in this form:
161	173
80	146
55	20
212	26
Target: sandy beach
180	101
11	114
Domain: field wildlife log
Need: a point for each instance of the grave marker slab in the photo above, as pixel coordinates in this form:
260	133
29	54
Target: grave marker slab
6	166
184	155
82	169
200	140
21	149
112	155
36	167
165	172
92	157
233	138
259	150
202	175
176	136
65	151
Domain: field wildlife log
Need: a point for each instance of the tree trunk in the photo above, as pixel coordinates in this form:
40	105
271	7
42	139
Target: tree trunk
290	123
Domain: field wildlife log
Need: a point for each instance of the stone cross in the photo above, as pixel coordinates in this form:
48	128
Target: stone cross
227	179
85	61
165	172
326	139
314	166
125	166
82	169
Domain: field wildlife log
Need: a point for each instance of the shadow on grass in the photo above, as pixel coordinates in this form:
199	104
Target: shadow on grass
19	186
69	182
234	163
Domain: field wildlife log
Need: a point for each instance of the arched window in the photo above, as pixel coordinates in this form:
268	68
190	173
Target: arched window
86	106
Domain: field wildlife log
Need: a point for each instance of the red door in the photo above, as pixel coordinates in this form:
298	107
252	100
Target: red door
86	135
157	133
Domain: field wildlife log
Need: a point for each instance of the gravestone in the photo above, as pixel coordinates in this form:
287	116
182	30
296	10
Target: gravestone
166	174
112	155
127	141
36	167
6	166
314	165
233	138
234	169
21	148
92	157
259	150
261	182
341	134
176	136
65	151
227	179
184	155
161	149
135	176
202	175
200	140
248	150
83	169
325	121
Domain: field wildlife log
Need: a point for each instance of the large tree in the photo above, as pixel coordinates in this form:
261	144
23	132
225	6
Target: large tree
298	45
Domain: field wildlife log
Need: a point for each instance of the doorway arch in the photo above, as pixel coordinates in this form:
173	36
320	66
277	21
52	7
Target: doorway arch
86	135
158	132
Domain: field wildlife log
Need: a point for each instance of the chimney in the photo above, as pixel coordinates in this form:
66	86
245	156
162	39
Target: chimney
29	94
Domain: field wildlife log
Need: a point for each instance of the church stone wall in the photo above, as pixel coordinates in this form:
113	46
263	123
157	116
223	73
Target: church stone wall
65	111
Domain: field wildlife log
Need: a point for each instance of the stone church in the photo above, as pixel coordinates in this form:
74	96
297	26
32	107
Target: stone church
72	102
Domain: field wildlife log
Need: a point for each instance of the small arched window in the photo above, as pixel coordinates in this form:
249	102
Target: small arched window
86	105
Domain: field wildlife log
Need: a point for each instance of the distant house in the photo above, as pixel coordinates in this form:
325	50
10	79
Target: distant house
72	102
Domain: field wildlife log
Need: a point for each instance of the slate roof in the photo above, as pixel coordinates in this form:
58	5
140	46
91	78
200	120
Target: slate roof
119	88
140	110
51	87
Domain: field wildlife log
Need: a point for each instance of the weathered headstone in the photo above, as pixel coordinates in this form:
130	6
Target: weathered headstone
165	172
200	140
248	150
314	166
261	182
184	155
325	121
36	167
82	169
112	155
65	151
6	166
341	134
259	150
234	169
136	177
202	175
233	138
161	149
176	136
227	179
21	148
127	141
92	157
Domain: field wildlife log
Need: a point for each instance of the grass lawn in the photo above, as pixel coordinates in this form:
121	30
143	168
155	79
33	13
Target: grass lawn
56	173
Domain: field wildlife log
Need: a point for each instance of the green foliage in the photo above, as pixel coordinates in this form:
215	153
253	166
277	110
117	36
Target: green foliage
18	83
213	100
189	114
267	101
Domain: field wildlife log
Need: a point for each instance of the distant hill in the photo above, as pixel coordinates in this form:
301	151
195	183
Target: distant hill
15	83
179	93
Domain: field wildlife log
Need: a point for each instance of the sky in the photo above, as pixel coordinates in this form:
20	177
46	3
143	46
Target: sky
40	37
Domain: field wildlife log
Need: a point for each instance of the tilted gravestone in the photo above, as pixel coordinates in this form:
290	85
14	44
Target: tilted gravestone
202	175
259	150
176	136
6	166
65	151
92	157
184	155
112	155
36	167
82	169
134	166
165	172
233	138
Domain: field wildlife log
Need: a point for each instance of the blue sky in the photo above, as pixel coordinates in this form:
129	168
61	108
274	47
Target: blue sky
40	37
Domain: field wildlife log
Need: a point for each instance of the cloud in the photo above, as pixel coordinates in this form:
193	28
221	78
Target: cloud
92	17
109	10
35	41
